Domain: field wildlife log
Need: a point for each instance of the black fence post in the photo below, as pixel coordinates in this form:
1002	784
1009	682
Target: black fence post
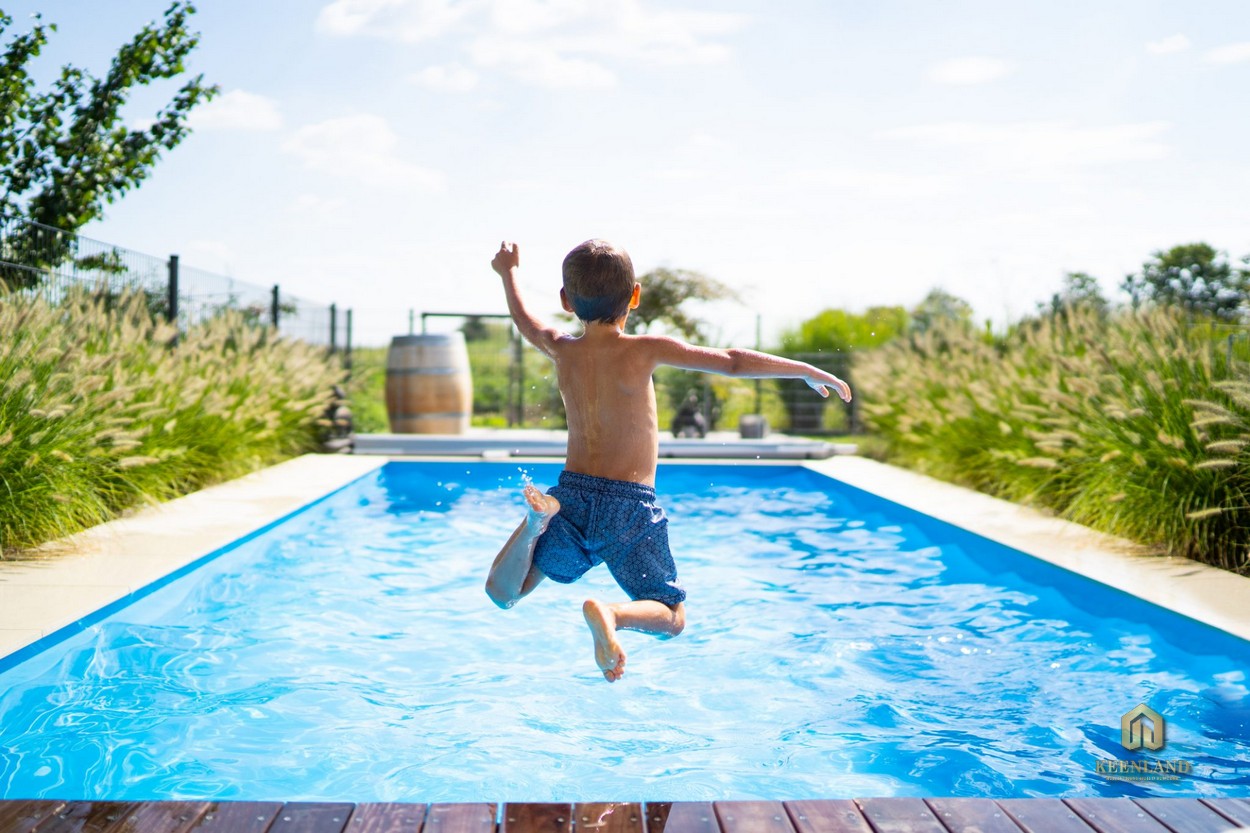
171	310
347	344
519	358
334	320
273	307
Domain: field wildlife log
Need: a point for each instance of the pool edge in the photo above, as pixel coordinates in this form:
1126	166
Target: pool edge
1198	591
87	575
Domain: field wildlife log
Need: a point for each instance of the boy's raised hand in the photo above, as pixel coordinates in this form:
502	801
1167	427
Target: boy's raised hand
506	259
820	381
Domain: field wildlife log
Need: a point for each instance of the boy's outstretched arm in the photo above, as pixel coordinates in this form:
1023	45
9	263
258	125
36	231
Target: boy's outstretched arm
749	364
533	330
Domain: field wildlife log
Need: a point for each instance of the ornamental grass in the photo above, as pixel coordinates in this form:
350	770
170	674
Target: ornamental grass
1136	423
104	407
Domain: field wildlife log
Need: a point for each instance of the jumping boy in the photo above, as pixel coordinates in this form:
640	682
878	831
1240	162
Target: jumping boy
604	508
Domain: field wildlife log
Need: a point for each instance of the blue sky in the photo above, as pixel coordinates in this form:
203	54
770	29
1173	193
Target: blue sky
809	154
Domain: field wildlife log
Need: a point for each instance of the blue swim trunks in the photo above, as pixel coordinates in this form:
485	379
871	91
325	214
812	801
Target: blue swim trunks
614	522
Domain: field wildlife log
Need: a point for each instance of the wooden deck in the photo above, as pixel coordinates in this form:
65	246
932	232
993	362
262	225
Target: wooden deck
861	815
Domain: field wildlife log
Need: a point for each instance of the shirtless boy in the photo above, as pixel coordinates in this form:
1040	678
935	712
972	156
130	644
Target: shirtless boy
604	508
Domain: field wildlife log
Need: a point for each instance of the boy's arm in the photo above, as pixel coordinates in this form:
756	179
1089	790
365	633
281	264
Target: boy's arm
748	364
534	331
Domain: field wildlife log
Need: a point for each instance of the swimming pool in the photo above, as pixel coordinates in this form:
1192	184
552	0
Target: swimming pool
837	645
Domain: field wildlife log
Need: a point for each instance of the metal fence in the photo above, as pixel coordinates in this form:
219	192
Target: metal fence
43	261
515	386
788	405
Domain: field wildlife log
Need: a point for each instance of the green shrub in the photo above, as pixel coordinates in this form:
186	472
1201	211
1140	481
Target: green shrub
1126	423
100	410
366	391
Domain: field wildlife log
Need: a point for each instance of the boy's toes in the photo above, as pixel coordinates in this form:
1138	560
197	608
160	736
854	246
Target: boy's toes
617	671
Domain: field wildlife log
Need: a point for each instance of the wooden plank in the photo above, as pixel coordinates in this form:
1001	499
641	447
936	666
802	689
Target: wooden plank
164	817
899	815
386	818
681	817
1114	815
460	818
830	816
608	817
1184	815
1236	810
89	817
312	817
238	817
753	817
23	816
537	818
979	814
1044	815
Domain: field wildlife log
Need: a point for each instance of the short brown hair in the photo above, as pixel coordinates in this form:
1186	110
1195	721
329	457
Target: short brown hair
598	281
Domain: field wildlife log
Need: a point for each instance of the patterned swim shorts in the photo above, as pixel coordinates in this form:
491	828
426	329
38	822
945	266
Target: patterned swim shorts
614	522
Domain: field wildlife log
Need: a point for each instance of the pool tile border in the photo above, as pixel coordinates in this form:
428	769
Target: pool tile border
1207	594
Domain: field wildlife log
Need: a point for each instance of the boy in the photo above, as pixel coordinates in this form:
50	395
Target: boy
604	508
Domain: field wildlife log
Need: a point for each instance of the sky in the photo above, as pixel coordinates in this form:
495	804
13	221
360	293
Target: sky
809	154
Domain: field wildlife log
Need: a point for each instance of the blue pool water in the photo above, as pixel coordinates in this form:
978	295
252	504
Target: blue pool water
837	645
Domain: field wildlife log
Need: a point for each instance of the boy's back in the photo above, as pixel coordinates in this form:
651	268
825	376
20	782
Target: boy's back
609	400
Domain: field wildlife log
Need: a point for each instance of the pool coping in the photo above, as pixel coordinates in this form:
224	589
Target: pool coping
68	582
506	443
1207	594
78	578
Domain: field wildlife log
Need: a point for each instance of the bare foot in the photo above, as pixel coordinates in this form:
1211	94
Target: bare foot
608	652
542	508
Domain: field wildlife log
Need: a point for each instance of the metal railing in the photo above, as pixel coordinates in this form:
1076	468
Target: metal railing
39	260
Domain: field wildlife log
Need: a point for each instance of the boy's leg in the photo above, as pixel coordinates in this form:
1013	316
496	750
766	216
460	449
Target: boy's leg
513	574
644	615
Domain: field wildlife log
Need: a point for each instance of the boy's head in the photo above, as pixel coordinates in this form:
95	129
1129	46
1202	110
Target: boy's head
599	282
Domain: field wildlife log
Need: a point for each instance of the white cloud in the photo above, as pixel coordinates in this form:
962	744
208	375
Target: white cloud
1232	53
663	37
554	43
449	78
361	147
1168	45
539	64
528	16
1041	148
968	71
408	21
237	110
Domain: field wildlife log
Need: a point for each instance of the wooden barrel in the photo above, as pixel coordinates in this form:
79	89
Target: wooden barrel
428	386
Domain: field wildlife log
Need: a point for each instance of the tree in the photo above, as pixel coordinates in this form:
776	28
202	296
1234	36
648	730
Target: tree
836	330
939	305
1194	276
65	152
829	340
665	291
1080	291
